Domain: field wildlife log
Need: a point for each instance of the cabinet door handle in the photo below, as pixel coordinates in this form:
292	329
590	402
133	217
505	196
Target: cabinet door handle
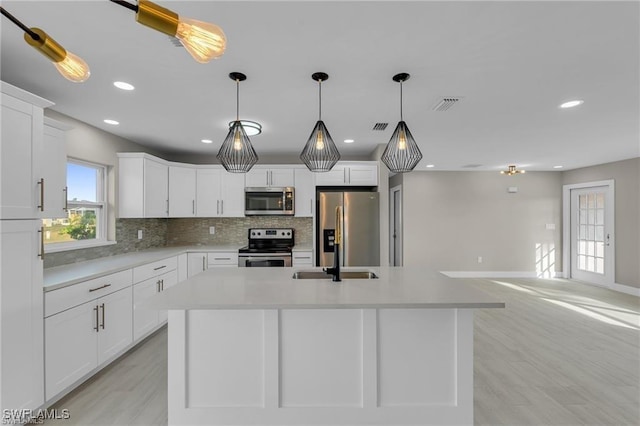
203	265
162	285
41	232
193	207
102	325
66	200
158	286
97	327
99	288
221	206
41	183
311	207
217	206
159	267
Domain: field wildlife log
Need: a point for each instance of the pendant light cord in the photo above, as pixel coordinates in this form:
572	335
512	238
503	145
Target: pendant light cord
237	100
133	7
20	24
401	119
319	100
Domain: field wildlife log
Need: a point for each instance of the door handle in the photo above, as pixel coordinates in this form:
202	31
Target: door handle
102	325
41	183
97	327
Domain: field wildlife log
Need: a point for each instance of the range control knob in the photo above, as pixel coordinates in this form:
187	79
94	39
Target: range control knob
253	233
288	233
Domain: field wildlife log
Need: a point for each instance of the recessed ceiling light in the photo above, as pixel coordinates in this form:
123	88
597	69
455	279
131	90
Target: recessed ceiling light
123	85
571	104
112	122
207	141
349	141
251	128
557	167
430	166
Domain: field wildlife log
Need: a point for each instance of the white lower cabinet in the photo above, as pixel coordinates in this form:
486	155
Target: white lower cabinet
196	263
79	339
145	319
302	258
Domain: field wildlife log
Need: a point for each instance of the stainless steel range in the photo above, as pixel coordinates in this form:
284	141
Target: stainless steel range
267	248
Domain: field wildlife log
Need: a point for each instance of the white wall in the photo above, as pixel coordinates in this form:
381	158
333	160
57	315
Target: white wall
451	218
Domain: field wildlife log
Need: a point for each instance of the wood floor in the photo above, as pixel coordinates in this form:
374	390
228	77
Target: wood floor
560	353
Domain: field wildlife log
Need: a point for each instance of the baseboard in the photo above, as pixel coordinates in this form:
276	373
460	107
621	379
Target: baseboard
623	288
497	274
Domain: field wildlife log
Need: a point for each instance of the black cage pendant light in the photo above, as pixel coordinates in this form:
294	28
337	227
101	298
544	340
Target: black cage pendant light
236	153
402	153
320	153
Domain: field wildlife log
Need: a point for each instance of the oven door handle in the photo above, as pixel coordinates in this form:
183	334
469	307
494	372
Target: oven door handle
250	258
244	261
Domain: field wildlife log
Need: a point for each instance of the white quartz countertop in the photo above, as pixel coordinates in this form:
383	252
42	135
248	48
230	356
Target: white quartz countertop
274	288
65	275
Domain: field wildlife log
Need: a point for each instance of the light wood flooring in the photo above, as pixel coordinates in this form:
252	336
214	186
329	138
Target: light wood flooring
560	353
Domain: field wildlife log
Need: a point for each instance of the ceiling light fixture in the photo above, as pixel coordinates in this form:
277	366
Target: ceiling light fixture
72	67
511	171
402	153
123	85
571	104
557	167
251	128
320	154
349	141
203	41
206	141
112	122
236	153
430	166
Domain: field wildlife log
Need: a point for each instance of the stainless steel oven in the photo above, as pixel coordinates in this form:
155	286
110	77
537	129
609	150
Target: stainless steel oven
267	248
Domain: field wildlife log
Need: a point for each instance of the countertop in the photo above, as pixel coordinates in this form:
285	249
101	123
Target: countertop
274	288
65	275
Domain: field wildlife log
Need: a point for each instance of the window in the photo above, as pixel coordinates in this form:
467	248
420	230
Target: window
85	224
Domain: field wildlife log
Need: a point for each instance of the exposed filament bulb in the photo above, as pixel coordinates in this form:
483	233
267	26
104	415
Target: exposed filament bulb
319	140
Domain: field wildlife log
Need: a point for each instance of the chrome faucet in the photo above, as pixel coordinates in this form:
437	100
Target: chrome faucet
337	240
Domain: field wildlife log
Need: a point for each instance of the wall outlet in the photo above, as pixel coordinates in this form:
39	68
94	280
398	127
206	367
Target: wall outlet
212	230
479	259
139	234
551	226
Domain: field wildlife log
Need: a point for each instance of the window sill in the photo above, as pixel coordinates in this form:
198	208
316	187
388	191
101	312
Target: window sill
58	247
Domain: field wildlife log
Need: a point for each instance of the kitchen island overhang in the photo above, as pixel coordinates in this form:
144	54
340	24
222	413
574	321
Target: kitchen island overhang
254	347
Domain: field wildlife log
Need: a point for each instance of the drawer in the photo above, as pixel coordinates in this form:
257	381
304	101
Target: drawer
154	269
302	258
222	258
67	297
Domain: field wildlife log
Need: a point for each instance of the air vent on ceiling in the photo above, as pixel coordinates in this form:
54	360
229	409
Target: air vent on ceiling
471	166
444	104
175	41
380	126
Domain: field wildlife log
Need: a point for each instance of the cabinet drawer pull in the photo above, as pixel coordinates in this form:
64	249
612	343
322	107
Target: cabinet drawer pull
159	267
302	257
221	258
97	327
41	183
102	325
99	288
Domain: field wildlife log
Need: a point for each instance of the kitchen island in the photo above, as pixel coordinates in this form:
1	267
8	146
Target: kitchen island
252	346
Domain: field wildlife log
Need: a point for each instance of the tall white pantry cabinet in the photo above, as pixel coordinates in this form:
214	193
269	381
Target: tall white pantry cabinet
24	193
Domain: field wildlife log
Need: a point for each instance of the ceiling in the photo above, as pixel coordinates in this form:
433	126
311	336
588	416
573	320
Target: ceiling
512	63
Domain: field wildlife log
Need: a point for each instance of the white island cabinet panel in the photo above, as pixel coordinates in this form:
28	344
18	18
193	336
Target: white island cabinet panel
321	358
211	348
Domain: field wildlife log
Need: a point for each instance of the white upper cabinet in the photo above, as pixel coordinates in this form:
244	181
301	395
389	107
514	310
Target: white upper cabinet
305	192
54	169
267	177
350	173
143	183
21	181
182	191
219	193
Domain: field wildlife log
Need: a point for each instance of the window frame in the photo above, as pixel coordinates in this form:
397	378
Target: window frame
101	218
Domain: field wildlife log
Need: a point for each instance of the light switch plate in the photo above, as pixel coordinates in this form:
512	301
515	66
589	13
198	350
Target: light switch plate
212	230
512	189
139	234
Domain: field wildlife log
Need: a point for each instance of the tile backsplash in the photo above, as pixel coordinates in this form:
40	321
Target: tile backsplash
179	232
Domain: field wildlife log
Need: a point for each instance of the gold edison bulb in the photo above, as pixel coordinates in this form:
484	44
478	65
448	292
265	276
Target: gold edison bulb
71	67
204	41
237	140
319	140
402	140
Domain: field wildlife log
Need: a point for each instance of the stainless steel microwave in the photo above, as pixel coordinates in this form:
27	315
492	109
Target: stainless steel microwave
269	201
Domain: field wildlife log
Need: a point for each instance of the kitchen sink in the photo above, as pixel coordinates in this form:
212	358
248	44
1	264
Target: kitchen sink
345	275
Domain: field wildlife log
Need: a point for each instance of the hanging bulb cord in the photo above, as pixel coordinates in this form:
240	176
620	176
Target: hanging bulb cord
128	5
20	24
237	100
401	119
320	100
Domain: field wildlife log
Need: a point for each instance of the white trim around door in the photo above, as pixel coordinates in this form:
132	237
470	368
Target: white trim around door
603	218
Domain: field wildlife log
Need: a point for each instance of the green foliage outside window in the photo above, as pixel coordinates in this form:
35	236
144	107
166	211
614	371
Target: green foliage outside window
82	226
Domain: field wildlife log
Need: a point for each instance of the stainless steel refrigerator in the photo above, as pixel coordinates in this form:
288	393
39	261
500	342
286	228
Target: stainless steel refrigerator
360	228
